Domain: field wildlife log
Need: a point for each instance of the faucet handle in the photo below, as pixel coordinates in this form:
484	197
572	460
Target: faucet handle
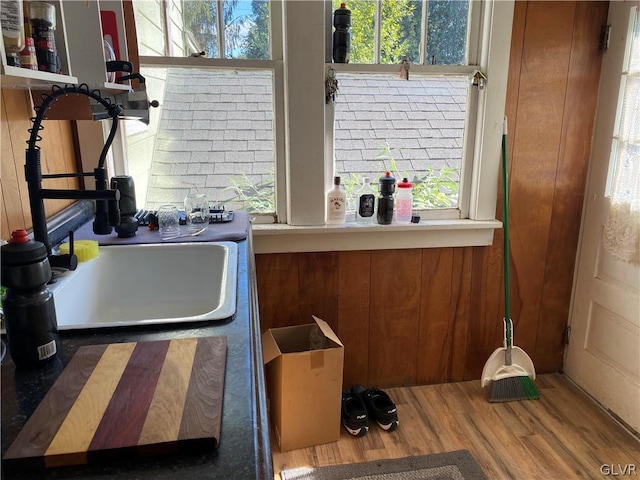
69	260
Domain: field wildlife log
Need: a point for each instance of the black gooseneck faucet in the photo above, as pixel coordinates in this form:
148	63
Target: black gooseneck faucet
107	213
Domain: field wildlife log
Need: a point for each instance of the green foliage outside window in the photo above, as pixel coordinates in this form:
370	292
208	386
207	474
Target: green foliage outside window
247	33
431	190
400	31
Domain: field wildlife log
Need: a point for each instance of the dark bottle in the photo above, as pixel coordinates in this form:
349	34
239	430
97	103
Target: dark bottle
127	205
385	199
341	34
29	311
43	25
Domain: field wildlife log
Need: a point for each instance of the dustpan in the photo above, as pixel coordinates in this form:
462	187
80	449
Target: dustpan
499	366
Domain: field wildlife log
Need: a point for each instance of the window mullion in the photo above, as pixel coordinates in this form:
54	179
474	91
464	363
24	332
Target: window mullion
378	32
423	33
305	111
168	50
220	23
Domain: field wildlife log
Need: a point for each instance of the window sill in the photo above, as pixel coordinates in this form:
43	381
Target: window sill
278	238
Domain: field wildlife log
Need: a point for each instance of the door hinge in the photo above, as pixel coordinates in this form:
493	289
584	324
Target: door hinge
605	36
567	335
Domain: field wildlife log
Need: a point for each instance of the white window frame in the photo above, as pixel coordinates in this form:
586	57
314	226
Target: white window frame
303	126
310	153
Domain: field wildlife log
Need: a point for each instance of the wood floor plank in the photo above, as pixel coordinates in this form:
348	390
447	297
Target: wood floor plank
562	435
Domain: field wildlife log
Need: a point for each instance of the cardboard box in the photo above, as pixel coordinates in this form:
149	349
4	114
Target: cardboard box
304	386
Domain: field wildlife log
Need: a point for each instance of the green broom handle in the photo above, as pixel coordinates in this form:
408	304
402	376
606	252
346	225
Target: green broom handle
505	226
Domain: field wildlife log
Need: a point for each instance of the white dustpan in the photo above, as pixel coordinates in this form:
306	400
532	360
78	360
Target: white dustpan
507	361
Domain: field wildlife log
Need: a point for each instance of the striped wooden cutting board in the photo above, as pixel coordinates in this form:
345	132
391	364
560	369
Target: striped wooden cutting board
140	398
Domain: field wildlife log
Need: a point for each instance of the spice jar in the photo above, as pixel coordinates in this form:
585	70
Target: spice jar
28	55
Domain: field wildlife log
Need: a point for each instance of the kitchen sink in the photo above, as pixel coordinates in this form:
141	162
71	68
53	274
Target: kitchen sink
149	284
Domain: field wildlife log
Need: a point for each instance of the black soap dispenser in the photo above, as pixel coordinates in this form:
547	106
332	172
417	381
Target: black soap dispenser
29	311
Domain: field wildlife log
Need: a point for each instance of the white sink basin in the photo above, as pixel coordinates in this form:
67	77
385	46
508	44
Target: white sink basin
149	284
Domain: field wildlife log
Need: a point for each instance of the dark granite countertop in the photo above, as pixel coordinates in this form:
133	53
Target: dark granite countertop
244	451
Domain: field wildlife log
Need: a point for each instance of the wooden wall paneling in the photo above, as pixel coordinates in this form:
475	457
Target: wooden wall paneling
435	333
354	289
513	82
318	287
543	79
16	103
57	155
4	222
394	316
12	210
487	307
573	161
461	314
277	279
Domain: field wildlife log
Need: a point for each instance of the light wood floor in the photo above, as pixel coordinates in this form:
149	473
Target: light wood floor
562	435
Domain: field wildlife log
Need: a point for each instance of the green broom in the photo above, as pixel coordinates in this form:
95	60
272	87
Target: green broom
509	370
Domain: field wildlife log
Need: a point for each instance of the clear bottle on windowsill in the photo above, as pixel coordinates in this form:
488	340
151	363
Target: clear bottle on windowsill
365	202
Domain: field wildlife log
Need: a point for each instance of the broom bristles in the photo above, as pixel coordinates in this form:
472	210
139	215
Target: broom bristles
513	389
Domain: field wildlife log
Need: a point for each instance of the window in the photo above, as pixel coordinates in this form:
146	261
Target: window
622	226
274	150
214	130
414	120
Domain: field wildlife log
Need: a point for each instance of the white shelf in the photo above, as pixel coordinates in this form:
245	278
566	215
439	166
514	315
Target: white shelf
79	44
15	77
116	86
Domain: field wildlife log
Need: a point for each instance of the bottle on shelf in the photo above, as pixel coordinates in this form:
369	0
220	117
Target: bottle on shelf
43	25
28	55
336	204
341	34
404	201
12	18
365	202
387	186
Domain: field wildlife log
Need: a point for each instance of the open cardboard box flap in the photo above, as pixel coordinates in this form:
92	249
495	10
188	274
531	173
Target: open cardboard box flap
271	350
326	330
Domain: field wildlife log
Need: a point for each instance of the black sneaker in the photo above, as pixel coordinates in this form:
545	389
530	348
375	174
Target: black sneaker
379	406
354	414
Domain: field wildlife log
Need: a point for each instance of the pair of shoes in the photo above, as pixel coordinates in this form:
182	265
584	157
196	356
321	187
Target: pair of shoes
360	404
379	406
354	414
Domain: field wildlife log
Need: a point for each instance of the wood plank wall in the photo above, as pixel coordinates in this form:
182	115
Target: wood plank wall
421	316
57	156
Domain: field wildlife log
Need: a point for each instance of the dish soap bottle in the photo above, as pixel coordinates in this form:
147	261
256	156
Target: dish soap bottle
404	201
336	204
365	202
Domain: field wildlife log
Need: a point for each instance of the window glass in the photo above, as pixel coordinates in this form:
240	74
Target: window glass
446	32
414	129
212	134
191	27
401	27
